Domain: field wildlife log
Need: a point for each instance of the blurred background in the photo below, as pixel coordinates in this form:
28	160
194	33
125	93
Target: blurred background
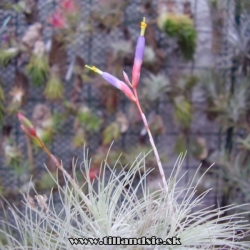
194	89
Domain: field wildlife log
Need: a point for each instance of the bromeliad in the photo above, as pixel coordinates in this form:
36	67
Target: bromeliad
131	93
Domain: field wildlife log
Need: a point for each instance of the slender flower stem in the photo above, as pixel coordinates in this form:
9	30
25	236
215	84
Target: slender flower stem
151	141
165	185
59	165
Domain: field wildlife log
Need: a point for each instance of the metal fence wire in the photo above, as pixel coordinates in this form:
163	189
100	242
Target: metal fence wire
93	47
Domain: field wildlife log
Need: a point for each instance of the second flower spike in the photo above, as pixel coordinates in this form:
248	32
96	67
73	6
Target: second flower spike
28	128
139	55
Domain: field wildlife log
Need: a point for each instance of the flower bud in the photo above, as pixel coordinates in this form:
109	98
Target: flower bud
126	78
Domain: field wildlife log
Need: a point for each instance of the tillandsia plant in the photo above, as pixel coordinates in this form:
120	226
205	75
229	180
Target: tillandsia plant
65	19
115	212
181	27
112	208
108	14
54	86
7	54
130	90
38	67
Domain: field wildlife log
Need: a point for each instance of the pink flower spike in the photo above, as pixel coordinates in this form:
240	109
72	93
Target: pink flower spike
126	78
139	55
57	20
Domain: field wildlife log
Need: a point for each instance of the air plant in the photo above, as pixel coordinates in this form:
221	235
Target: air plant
113	209
228	109
154	87
239	39
107	15
12	154
131	92
65	19
88	120
38	67
90	216
234	172
181	27
66	15
7	54
18	93
54	86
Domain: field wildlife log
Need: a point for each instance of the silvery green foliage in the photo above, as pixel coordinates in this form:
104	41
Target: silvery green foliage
113	210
